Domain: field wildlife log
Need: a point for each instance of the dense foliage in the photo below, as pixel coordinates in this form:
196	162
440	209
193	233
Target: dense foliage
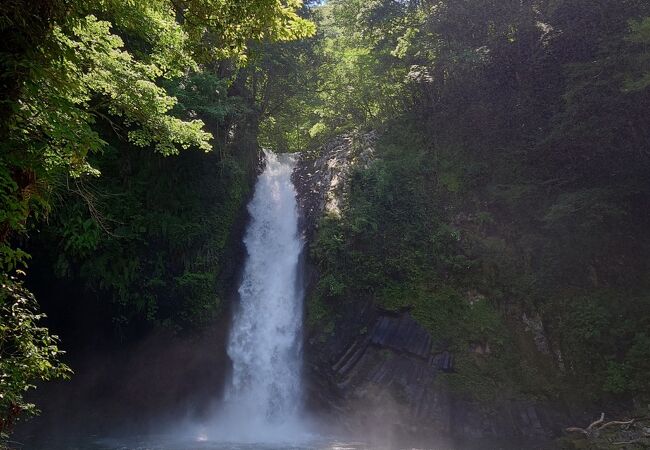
510	189
29	352
85	87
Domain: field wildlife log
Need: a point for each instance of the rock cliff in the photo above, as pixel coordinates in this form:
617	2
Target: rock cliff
380	372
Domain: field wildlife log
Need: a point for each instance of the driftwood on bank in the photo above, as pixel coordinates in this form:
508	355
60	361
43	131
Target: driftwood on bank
594	429
596	426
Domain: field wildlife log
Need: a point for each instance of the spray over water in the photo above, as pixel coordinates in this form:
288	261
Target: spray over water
263	401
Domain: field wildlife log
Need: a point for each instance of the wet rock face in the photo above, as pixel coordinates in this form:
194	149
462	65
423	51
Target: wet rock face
397	366
381	373
392	367
402	334
535	326
321	179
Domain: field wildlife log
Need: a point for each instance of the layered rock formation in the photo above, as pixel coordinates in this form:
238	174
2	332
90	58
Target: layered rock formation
381	372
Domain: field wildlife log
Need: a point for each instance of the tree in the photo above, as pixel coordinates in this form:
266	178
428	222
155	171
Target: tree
28	353
105	61
73	69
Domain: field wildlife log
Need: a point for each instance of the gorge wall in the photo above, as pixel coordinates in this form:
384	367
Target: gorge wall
378	369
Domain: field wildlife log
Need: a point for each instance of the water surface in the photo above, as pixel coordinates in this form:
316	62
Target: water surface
167	443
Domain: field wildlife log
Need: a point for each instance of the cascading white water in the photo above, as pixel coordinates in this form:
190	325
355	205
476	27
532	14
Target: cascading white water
264	397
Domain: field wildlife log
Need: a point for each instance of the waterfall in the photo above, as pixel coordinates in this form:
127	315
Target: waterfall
263	400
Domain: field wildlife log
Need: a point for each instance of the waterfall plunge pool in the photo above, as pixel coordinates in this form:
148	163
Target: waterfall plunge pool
198	443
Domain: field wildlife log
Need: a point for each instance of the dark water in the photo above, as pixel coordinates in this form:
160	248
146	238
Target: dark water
162	443
173	442
166	443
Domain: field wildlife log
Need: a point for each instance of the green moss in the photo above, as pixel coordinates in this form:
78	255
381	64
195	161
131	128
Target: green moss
320	318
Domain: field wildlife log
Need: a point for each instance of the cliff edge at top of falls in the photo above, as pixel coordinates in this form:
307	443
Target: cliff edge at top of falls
381	371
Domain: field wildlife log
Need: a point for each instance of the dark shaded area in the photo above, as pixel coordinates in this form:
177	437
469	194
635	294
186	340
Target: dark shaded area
140	376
